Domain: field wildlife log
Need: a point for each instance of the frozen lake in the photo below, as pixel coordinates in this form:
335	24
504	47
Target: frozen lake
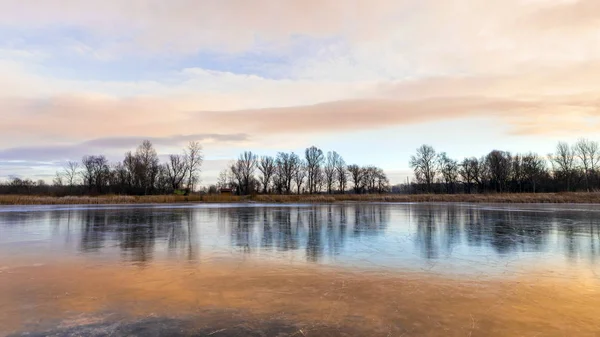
446	238
329	269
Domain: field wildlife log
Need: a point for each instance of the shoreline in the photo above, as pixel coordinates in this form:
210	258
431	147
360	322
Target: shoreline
506	198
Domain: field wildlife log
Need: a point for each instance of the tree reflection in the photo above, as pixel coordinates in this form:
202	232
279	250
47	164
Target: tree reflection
451	230
94	231
136	232
503	231
317	230
267	237
317	233
426	230
241	227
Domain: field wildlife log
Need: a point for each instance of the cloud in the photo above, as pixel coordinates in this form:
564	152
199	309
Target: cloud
188	25
353	115
571	14
41	153
531	66
509	100
529	96
397	32
129	142
349	115
114	147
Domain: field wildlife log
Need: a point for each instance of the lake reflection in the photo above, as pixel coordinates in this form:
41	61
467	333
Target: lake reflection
449	238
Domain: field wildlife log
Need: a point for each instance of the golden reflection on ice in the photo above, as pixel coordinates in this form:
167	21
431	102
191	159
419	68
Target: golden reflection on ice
310	298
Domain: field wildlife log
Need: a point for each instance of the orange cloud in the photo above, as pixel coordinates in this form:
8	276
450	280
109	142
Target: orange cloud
568	14
414	61
76	118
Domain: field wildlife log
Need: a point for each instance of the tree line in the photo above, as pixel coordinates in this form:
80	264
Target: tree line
290	173
139	173
570	168
142	173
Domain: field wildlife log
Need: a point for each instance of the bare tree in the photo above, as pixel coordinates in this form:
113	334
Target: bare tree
296	164
563	163
58	179
481	173
121	177
357	175
87	173
147	166
319	180
70	173
424	165
20	186
330	171
587	152
95	172
284	172
534	169
383	183
267	167
176	170
449	171
468	172
225	179
369	178
299	175
374	179
341	174
314	160
518	172
193	158
499	164
243	169
130	165
286	165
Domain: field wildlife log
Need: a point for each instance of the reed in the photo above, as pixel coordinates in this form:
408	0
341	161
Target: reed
573	197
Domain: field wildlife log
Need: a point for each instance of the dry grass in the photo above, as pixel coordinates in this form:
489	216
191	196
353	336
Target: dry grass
111	199
590	198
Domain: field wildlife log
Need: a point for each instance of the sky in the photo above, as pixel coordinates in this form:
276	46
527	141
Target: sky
370	79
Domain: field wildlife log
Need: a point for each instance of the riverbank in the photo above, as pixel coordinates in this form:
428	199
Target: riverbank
560	198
